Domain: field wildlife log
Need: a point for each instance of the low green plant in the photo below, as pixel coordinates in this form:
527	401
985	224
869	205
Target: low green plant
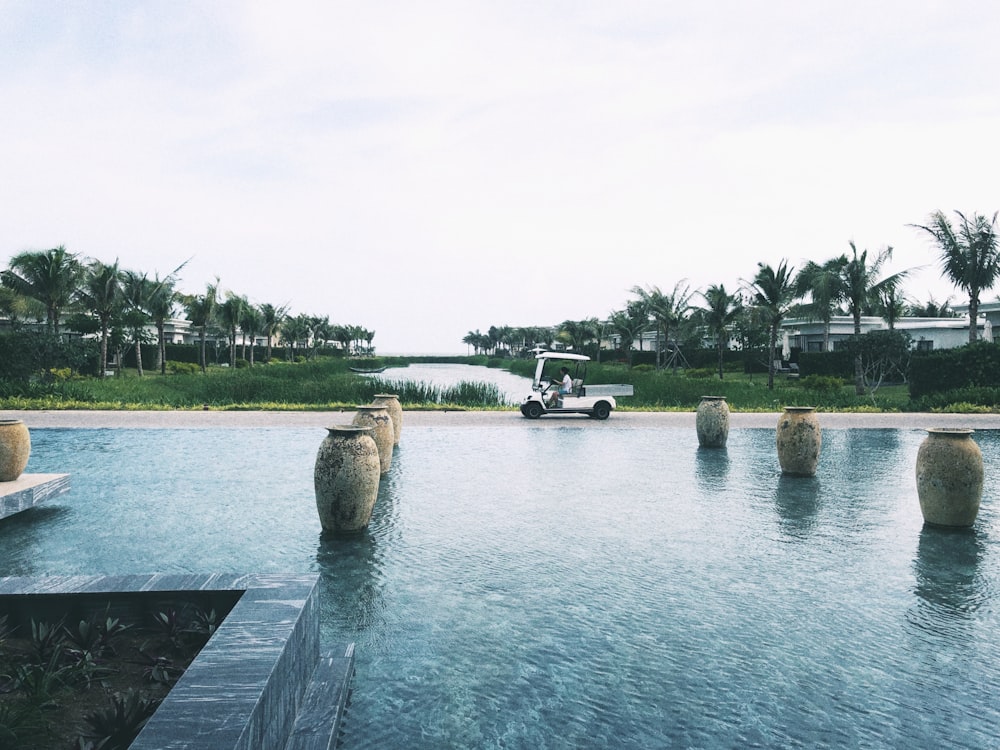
821	383
157	667
115	727
168	622
94	635
46	639
701	373
183	368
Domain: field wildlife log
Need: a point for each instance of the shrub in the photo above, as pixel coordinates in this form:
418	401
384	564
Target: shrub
821	383
183	368
701	373
838	364
970	366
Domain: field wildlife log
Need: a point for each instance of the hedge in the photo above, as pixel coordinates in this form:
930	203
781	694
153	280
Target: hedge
970	366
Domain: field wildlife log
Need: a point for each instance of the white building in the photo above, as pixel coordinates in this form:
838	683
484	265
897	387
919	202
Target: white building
927	333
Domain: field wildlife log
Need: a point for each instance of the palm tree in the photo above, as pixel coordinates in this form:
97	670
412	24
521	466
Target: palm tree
230	313
162	298
271	318
137	290
719	315
969	256
579	332
862	289
892	305
774	292
201	312
101	294
932	309
628	325
160	305
824	283
251	323
294	330
50	276
17	307
666	310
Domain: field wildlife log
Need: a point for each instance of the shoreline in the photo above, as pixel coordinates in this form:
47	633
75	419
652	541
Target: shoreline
83	419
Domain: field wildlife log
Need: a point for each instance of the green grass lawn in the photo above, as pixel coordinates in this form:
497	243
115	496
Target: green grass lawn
327	383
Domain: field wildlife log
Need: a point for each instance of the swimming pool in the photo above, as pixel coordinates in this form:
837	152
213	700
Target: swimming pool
569	587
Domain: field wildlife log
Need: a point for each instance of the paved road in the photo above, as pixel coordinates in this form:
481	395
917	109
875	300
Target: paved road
620	419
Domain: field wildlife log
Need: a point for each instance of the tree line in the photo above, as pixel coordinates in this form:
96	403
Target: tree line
119	304
852	284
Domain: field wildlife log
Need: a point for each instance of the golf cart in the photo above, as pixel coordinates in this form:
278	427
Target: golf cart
596	401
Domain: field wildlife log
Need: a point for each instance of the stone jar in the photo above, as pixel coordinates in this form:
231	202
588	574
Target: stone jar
712	422
346	478
378	418
391	402
799	440
15	447
949	477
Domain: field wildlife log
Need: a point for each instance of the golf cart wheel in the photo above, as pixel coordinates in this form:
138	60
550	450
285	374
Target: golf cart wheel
532	410
602	410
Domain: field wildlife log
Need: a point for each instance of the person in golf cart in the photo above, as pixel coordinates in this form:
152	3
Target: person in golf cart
565	387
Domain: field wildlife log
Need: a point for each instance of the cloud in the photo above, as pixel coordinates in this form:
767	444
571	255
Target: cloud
489	164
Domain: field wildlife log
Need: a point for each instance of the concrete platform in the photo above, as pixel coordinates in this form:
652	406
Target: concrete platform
28	490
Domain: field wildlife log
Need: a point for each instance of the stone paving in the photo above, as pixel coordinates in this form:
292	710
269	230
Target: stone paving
618	419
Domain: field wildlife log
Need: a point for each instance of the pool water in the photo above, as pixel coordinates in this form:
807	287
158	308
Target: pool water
579	586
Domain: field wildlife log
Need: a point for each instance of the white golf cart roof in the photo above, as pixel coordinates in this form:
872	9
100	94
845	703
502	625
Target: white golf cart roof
563	355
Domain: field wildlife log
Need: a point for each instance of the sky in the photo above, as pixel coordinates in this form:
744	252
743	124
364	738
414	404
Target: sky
427	169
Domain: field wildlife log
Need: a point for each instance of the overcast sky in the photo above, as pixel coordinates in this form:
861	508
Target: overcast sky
424	169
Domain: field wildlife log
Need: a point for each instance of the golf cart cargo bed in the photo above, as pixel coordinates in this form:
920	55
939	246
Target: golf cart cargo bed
609	389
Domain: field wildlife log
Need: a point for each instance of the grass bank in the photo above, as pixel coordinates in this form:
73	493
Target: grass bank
329	384
322	383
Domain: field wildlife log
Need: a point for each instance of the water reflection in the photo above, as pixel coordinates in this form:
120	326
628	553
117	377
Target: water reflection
797	501
352	566
711	468
949	586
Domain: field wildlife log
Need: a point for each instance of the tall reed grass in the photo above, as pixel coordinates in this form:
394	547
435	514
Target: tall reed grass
322	383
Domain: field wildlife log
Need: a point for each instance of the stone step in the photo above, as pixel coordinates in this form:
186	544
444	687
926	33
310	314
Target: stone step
318	721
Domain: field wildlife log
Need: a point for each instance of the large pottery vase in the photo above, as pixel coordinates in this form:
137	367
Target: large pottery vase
799	440
378	418
391	402
346	478
949	477
712	422
15	447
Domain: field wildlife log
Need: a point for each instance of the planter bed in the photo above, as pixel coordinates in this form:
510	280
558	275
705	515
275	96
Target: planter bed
246	687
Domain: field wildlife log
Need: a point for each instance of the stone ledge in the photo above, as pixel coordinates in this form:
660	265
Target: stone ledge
28	490
322	710
246	686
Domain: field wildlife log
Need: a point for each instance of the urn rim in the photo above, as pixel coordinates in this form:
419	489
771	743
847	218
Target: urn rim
713	398
950	431
799	408
350	429
6	422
